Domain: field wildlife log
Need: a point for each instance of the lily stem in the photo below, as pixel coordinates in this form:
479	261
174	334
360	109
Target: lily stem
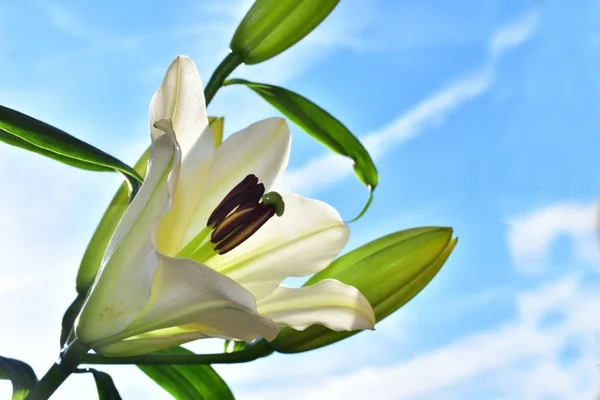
55	376
58	372
229	63
250	354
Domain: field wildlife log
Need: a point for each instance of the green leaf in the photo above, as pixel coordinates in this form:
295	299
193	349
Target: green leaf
321	125
95	251
20	374
69	318
104	384
272	26
28	133
389	272
183	382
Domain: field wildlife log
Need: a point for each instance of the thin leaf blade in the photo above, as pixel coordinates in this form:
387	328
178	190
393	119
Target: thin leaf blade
69	317
105	385
322	126
185	382
28	133
20	374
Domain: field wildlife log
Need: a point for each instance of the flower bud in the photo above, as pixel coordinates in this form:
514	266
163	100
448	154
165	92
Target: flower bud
389	272
272	26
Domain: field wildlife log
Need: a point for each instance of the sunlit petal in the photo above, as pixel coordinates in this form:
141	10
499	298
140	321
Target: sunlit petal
122	287
185	292
151	341
330	303
180	98
193	174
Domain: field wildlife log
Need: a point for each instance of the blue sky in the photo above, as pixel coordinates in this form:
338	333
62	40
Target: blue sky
481	116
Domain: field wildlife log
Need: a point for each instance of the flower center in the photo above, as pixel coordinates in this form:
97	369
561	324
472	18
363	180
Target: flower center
241	213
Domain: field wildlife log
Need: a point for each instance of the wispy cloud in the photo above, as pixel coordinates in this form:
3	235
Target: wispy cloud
532	235
513	34
426	113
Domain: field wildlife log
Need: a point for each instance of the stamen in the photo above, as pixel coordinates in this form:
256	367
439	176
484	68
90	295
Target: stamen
243	211
248	190
243	233
231	223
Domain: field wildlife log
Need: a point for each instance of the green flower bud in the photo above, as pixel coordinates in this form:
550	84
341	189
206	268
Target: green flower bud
272	26
389	272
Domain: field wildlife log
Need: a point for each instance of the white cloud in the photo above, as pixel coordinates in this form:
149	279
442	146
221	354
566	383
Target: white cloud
429	112
532	235
513	34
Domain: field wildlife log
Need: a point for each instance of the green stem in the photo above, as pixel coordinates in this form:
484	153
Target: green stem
55	376
249	354
58	373
229	63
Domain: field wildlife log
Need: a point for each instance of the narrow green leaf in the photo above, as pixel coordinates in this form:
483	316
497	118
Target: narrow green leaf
104	384
184	382
18	142
321	125
20	374
95	250
389	272
69	318
272	26
28	133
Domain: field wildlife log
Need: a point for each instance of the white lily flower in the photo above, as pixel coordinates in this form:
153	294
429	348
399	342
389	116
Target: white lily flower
200	252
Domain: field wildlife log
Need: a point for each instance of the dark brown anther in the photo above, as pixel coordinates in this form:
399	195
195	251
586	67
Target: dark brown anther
260	217
241	213
227	226
247	191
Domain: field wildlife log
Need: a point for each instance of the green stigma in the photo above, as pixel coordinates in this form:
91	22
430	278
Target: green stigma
274	199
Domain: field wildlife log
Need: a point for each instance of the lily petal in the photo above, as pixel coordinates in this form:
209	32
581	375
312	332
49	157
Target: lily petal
301	242
261	149
194	172
330	303
180	98
122	286
187	293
